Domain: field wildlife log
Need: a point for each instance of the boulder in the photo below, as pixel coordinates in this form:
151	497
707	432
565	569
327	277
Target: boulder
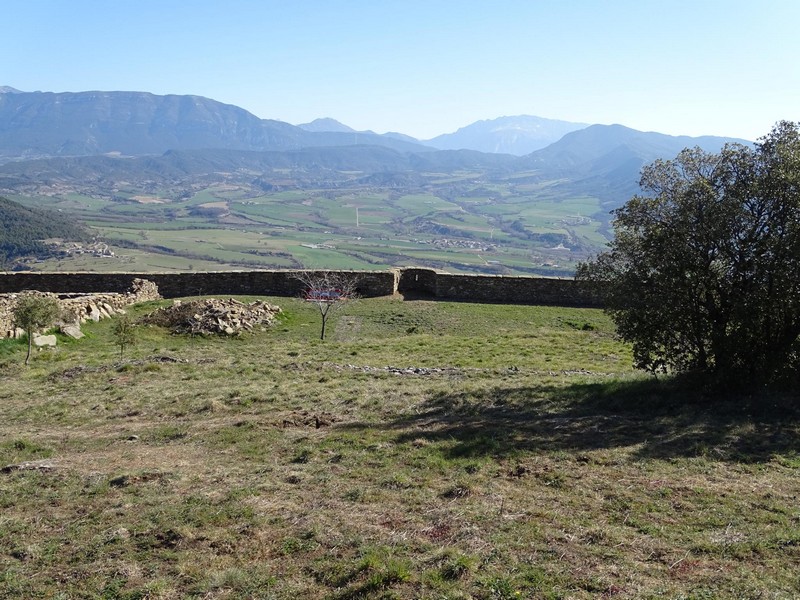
44	341
93	313
72	331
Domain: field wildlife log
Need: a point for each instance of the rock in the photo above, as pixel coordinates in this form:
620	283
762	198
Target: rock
72	331
31	465
93	312
80	308
120	534
213	316
121	481
143	290
42	341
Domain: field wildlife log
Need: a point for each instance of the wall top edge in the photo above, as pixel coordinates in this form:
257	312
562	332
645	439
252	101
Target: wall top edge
193	272
144	274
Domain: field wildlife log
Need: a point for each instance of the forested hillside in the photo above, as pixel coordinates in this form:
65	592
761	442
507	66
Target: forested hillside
22	230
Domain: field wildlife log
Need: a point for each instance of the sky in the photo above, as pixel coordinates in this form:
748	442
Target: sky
427	67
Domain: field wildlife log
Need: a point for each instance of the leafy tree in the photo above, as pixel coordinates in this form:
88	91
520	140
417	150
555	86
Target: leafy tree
124	333
329	291
704	271
34	312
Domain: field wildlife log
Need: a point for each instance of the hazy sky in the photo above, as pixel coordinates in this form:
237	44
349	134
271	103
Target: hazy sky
425	67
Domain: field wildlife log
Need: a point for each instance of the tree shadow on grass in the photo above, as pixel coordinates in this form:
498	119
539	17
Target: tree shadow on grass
657	418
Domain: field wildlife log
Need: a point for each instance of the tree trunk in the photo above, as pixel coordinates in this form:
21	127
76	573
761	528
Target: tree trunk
30	346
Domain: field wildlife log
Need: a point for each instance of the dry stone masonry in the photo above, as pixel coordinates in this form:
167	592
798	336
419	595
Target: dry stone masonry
411	282
93	307
77	309
213	316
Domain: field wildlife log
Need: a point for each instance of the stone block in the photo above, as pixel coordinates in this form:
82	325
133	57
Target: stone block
72	331
44	341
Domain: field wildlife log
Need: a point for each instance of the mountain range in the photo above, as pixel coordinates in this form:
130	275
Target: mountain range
79	138
44	124
517	135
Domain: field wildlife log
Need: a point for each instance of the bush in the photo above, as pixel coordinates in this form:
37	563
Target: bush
704	272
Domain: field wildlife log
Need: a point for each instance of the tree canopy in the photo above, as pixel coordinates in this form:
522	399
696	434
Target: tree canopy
703	273
33	312
22	230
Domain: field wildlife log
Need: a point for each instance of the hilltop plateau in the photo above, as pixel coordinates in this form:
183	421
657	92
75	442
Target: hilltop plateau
425	449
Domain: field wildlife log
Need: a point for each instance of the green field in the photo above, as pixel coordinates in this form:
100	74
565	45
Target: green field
424	450
492	228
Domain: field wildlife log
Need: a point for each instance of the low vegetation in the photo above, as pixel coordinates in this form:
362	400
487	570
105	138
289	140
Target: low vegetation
423	450
703	273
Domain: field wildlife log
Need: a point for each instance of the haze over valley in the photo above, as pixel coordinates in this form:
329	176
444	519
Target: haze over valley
186	182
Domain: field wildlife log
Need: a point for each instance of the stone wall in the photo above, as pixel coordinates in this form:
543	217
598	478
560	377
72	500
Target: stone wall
412	282
515	290
79	308
179	285
7	317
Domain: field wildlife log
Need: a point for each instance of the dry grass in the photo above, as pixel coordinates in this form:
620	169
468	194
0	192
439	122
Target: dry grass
525	461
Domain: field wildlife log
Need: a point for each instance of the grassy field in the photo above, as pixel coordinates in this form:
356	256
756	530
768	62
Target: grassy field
235	226
425	450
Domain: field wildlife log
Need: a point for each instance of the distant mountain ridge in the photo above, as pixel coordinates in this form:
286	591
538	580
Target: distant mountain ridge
602	161
43	124
517	135
74	138
326	124
606	160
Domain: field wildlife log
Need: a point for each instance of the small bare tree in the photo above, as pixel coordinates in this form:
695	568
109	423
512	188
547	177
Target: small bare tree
124	333
329	291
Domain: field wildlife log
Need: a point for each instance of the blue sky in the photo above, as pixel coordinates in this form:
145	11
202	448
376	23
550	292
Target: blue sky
427	67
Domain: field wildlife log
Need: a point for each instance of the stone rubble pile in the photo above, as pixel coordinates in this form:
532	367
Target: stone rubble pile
79	308
213	316
94	307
